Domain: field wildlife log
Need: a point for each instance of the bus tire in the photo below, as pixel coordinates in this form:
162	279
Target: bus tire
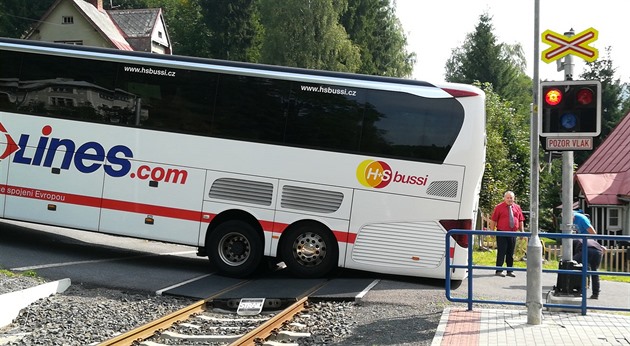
455	284
235	248
309	250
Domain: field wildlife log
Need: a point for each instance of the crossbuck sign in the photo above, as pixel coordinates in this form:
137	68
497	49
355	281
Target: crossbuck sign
562	45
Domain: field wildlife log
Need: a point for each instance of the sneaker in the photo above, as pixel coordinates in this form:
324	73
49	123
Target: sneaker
511	274
499	274
594	296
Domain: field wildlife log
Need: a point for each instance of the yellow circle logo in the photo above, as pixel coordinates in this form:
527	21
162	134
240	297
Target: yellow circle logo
375	174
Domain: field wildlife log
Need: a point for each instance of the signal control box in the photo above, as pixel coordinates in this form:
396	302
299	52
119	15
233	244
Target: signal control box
569	284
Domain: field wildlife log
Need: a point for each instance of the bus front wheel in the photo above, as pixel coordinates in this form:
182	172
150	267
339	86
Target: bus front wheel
310	250
235	248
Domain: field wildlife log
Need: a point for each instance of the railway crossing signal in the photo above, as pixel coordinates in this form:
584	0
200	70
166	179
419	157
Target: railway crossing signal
562	45
570	109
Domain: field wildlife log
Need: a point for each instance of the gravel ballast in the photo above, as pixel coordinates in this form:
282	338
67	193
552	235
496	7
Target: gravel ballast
389	314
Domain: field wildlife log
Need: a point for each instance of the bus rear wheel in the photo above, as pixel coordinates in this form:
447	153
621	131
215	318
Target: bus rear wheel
310	250
235	248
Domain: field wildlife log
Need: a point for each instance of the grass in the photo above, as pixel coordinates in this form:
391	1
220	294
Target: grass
29	273
489	258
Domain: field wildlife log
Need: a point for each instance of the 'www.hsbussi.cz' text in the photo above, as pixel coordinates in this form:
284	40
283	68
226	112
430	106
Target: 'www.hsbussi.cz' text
328	90
149	70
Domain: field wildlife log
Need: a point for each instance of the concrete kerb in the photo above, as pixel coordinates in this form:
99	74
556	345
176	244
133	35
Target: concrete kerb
13	302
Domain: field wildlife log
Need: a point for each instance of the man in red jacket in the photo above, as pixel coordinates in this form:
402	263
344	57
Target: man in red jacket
507	217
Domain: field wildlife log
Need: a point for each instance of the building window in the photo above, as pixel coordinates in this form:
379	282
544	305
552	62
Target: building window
61	102
74	42
62	90
159	34
67	20
613	221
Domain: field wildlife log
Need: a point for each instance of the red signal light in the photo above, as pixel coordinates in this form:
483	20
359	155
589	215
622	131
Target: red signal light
584	96
553	97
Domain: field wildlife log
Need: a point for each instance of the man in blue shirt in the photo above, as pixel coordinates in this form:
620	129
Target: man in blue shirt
595	250
582	223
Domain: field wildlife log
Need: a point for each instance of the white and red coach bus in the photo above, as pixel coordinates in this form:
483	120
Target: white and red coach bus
246	162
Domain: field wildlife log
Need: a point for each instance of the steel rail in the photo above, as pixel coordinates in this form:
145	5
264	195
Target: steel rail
262	332
149	329
143	332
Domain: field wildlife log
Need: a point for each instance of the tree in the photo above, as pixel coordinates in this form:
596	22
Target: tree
500	69
482	59
17	16
507	159
550	192
307	34
236	31
373	26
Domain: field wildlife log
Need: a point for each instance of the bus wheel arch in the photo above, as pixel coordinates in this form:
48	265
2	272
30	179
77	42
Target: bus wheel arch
235	243
309	249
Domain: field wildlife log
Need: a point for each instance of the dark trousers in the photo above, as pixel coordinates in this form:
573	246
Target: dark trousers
594	260
505	251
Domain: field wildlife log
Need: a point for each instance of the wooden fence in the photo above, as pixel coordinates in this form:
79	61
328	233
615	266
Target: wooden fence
615	259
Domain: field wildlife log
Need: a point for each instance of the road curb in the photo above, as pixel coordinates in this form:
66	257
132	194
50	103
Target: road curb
13	302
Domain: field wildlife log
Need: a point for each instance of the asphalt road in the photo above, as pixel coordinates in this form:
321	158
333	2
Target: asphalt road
94	259
99	260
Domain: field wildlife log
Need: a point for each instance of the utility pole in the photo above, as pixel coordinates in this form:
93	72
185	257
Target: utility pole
534	247
567	173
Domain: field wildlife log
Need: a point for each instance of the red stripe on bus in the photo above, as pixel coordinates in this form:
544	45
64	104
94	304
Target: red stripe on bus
89	201
451	252
345	237
267	226
150	209
141	208
207	217
341	236
49	196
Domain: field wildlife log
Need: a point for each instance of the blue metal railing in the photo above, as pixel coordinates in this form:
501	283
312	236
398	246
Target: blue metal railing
583	272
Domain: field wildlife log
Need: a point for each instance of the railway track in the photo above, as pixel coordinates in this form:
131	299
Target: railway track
198	324
90	316
202	323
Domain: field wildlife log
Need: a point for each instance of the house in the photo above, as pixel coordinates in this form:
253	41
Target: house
604	182
86	22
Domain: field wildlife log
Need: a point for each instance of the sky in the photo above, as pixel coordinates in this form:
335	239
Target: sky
434	28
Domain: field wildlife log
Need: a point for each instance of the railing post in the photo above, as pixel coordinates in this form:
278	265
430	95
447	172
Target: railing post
470	277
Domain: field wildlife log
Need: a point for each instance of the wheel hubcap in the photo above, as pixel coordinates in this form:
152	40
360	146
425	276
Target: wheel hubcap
309	249
234	248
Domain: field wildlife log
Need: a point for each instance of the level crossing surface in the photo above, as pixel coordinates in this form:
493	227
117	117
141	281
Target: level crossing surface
272	286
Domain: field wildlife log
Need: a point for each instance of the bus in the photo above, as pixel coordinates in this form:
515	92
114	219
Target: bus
246	162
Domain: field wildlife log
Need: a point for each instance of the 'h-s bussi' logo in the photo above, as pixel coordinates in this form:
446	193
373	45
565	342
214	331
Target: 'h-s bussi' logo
378	174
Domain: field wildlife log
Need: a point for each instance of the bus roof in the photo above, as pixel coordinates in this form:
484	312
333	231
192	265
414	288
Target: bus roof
455	90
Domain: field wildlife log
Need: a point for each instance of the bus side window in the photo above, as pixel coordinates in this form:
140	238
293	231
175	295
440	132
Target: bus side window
409	126
250	108
55	90
168	99
325	117
10	66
